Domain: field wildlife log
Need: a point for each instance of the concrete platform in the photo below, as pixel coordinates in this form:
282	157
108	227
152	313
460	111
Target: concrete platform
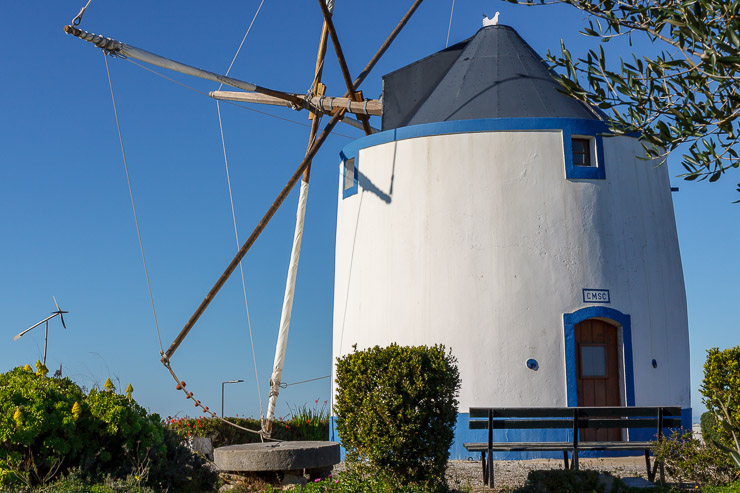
277	456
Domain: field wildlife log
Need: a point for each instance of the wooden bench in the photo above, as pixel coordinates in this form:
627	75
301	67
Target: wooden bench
573	418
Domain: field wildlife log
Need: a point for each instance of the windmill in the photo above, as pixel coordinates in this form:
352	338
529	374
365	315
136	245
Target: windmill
58	312
318	104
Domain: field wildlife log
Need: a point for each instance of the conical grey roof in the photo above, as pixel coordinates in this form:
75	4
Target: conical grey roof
494	74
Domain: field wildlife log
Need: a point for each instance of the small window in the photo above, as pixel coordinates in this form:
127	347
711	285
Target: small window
593	361
349	173
581	152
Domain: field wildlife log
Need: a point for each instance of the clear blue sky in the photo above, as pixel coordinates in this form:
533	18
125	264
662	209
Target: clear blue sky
66	221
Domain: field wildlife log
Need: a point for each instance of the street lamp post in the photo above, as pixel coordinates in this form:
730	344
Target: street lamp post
222	393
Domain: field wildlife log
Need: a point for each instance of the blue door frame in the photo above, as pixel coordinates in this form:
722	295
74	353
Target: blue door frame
617	318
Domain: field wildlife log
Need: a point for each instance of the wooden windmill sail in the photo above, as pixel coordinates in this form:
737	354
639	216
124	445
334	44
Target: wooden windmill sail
318	104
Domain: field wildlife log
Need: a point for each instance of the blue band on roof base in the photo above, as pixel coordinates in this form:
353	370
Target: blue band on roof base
568	126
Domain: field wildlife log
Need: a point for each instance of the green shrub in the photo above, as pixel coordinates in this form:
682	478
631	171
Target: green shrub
709	428
721	391
49	427
121	434
294	429
75	482
38	431
729	488
181	470
352	482
310	423
562	481
582	481
689	460
395	410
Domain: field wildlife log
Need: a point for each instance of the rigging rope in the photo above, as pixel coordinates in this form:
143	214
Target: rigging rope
233	215
284	385
225	101
449	27
133	205
180	383
242	43
78	18
241	268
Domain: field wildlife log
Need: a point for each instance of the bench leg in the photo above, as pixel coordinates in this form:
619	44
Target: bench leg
575	460
565	458
657	466
485	471
650	471
490	469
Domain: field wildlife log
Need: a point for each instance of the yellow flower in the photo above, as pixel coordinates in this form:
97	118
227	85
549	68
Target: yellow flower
41	370
109	385
76	410
17	416
129	391
28	367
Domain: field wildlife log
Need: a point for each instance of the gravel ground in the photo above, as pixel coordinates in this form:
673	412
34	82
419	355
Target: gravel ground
513	473
464	474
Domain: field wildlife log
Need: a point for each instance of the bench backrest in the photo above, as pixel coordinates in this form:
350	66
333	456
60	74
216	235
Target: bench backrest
508	418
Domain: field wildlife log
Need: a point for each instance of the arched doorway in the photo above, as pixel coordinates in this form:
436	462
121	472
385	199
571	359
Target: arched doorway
622	325
597	371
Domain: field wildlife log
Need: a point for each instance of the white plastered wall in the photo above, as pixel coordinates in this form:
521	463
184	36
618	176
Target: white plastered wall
478	242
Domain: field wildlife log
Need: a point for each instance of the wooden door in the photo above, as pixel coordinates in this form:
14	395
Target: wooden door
597	366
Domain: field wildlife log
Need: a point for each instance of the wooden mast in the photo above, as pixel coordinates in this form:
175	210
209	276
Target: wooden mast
314	148
282	340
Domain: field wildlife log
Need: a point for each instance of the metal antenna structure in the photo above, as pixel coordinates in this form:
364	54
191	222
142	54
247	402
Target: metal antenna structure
59	312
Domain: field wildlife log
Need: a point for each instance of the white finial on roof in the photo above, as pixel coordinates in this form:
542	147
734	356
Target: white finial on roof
490	22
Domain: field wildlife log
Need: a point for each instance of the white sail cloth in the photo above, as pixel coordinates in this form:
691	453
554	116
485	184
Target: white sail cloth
282	340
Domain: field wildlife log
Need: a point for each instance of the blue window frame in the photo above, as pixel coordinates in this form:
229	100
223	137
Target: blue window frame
583	149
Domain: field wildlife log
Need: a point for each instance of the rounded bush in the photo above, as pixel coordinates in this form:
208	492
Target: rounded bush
48	427
118	431
38	429
396	409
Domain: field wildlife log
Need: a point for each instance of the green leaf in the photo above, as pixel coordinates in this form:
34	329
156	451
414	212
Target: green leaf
729	59
676	23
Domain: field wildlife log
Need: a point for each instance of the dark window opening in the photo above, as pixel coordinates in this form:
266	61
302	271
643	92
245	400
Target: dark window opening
581	152
593	361
349	173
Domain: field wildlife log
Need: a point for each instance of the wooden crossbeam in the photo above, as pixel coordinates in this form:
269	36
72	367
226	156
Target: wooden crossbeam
328	105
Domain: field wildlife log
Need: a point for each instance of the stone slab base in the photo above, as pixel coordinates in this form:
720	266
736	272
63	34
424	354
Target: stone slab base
277	456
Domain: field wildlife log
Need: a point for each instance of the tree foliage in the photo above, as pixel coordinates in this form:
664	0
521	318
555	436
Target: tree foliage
721	391
687	93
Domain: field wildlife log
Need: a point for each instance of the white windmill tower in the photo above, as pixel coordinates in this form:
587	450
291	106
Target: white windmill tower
493	216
